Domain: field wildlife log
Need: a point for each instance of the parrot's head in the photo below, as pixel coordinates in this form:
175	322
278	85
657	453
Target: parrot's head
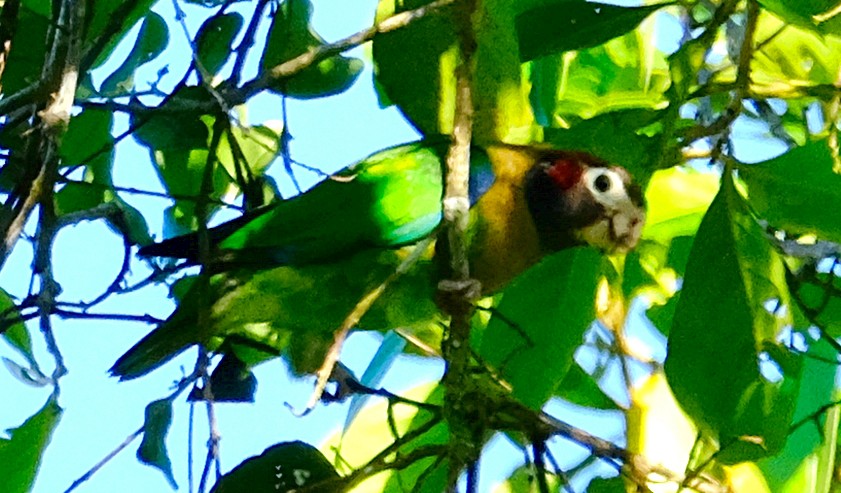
576	198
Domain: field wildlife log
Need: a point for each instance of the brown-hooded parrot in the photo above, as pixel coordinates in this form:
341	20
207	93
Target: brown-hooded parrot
287	274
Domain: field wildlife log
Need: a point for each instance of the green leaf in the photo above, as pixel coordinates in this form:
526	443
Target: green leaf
291	35
26	57
818	15
794	469
677	200
259	144
523	480
20	455
579	388
152	449
286	466
178	144
540	322
712	364
797	192
415	69
112	20
89	142
607	485
414	66
15	332
215	40
565	25
150	42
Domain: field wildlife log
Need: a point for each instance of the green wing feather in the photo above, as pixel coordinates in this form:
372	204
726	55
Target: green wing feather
390	199
336	241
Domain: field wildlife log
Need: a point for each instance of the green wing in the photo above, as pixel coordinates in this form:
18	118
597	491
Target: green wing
334	243
390	199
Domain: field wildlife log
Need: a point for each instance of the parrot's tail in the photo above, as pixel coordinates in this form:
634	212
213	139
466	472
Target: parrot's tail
160	346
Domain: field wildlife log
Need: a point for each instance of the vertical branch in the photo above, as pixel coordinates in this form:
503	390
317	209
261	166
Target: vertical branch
204	302
61	70
460	290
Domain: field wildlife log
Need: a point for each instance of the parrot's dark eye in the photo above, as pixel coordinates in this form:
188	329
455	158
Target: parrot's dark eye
602	183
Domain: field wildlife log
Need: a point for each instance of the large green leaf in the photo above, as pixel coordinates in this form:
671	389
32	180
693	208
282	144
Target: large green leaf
713	359
291	35
415	69
541	322
20	455
150	42
110	21
581	388
797	192
565	25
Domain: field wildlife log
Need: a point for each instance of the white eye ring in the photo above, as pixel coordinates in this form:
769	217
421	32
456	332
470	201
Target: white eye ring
605	185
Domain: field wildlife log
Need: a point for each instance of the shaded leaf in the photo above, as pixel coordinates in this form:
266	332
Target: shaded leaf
535	332
215	39
291	35
415	69
579	388
713	359
230	381
23	67
795	468
20	455
818	15
565	25
797	192
152	449
151	42
286	466
103	16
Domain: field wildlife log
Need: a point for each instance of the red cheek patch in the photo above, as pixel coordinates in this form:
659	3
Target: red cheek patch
564	172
